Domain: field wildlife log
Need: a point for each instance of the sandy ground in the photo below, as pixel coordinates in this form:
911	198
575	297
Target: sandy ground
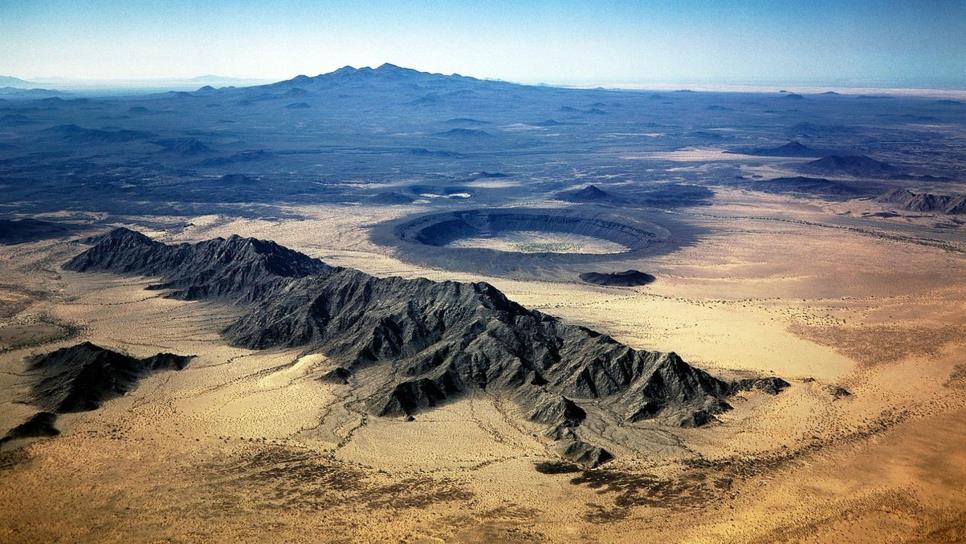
541	242
244	446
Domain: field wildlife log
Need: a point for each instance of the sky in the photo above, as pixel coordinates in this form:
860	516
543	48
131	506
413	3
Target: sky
911	43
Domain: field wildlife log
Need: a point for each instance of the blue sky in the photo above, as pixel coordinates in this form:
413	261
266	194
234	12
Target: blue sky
907	43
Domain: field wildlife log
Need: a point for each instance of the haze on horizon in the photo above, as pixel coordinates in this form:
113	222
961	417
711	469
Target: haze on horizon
858	43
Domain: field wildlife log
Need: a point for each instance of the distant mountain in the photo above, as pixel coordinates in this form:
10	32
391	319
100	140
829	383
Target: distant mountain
925	202
17	93
15	120
791	149
16	82
391	199
590	193
815	187
406	346
382	75
661	195
850	165
464	133
80	135
183	146
385	86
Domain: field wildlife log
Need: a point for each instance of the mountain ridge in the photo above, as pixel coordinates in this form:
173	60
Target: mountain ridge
428	342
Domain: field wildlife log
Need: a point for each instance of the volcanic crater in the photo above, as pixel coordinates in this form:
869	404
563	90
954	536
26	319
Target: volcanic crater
527	241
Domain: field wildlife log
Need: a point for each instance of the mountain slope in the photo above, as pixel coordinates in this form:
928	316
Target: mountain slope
16	82
428	342
81	377
850	165
925	202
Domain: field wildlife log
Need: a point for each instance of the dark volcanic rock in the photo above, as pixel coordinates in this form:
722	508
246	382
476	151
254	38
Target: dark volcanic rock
19	231
559	411
662	195
791	149
628	278
81	377
80	135
590	193
849	165
465	133
38	425
583	453
435	340
925	202
337	375
772	385
391	199
816	187
242	268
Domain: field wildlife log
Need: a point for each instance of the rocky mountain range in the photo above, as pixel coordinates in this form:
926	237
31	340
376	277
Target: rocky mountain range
411	344
925	202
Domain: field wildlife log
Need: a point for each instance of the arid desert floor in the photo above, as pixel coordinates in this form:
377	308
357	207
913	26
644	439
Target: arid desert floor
867	445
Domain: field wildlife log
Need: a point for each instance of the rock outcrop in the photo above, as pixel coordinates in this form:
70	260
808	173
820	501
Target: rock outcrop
79	379
925	202
627	278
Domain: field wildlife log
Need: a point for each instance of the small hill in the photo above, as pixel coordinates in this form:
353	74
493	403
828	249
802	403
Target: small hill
19	231
850	165
391	199
466	121
590	193
79	135
39	425
82	377
15	120
791	149
816	187
79	379
464	133
628	278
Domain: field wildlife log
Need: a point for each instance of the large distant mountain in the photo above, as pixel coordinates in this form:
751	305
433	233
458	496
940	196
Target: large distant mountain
20	93
386	73
409	345
387	85
16	82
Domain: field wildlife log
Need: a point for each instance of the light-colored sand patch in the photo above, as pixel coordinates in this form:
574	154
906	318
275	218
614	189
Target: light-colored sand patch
540	242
